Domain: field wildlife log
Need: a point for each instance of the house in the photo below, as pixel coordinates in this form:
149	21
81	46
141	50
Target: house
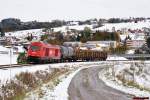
135	43
72	44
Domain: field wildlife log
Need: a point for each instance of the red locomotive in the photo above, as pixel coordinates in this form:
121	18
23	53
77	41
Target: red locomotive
41	52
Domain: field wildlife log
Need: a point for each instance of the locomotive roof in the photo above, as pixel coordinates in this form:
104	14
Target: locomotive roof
45	44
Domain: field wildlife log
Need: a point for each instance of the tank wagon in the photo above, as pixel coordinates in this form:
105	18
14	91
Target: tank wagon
40	52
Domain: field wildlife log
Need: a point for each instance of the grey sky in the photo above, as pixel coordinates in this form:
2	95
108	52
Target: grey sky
46	10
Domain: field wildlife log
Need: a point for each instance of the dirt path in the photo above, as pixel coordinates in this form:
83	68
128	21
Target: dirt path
86	85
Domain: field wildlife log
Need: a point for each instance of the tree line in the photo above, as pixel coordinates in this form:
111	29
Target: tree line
13	24
122	20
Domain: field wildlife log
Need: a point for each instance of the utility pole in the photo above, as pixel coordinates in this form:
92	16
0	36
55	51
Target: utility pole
10	54
10	60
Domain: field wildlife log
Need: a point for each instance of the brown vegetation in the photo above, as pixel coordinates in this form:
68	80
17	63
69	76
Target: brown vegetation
24	82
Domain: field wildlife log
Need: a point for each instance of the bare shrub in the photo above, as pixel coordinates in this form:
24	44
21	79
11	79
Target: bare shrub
24	82
28	79
12	91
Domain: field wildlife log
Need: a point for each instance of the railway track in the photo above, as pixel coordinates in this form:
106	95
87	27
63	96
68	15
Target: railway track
107	62
14	65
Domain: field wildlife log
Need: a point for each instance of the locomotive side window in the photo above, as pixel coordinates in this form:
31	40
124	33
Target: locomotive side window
35	48
47	52
56	52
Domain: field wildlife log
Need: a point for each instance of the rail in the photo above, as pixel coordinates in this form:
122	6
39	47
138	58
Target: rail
106	62
13	65
132	55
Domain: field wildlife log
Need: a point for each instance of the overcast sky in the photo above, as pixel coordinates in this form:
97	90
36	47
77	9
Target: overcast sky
46	10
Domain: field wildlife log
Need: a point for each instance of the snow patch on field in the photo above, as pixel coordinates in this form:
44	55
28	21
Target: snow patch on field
77	27
119	26
5	59
115	58
61	91
24	33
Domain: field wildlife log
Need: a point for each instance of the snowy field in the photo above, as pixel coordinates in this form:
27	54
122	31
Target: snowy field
76	27
38	32
119	26
24	33
107	26
5	59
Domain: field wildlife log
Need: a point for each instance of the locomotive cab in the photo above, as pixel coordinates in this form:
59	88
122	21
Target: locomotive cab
41	52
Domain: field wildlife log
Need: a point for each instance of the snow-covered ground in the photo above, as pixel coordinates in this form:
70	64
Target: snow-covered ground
132	51
120	26
10	55
24	33
60	91
132	78
6	59
76	27
6	73
114	57
7	56
38	32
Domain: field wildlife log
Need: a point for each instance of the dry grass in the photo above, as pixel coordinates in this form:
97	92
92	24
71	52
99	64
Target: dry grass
26	81
131	83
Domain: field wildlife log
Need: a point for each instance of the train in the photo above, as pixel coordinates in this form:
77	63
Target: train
40	52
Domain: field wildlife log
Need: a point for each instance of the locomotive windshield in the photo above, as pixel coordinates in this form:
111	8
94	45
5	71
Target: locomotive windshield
35	48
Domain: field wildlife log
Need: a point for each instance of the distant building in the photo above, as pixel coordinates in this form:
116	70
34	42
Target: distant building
72	23
72	44
135	43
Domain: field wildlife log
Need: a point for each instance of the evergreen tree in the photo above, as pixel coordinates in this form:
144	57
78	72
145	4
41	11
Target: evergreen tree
2	32
87	32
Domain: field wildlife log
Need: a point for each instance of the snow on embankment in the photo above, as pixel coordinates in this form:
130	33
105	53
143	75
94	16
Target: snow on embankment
115	58
129	77
60	91
6	73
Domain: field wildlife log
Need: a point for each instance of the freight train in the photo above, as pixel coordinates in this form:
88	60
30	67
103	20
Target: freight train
40	52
